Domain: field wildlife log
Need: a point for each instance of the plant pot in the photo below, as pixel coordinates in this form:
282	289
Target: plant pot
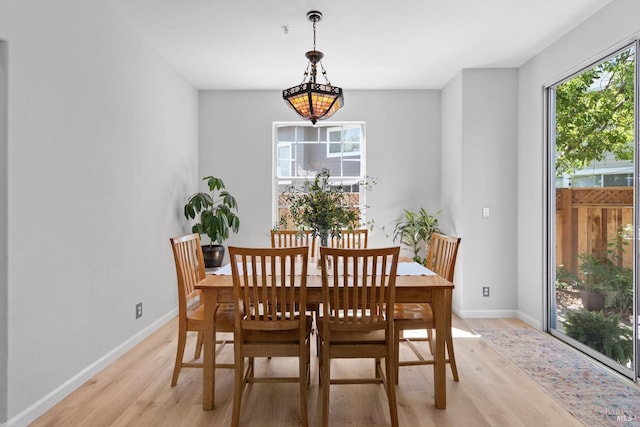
592	301
213	255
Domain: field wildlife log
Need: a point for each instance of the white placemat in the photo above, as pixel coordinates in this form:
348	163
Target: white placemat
404	269
413	269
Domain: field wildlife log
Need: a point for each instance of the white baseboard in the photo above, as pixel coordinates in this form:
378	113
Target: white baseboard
499	314
486	314
534	323
40	407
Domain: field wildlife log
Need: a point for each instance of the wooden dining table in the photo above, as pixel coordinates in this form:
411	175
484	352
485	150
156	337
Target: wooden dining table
434	289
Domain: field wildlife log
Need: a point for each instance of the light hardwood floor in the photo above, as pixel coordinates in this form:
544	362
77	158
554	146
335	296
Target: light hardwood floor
135	391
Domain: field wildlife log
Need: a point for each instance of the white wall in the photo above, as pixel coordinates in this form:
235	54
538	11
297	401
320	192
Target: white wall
451	176
103	152
4	325
613	26
479	158
489	141
403	152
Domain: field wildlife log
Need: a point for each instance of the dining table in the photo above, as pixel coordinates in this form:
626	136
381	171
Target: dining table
414	284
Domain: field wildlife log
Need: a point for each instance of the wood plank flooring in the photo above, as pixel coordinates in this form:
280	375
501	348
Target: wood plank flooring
135	391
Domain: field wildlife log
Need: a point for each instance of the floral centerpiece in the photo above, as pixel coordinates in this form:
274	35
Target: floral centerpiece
321	207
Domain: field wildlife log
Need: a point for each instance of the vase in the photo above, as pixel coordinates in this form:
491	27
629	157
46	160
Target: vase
324	241
324	237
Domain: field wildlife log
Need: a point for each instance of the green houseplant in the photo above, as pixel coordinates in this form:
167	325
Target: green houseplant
414	230
216	218
321	207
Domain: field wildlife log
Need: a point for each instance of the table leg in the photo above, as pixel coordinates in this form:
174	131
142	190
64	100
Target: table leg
208	372
440	319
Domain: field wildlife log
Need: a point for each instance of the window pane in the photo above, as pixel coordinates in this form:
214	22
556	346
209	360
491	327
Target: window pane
304	150
592	248
618	180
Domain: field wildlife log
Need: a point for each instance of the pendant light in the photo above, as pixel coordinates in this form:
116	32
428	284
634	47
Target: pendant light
311	100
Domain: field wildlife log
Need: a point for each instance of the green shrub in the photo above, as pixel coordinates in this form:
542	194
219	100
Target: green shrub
601	333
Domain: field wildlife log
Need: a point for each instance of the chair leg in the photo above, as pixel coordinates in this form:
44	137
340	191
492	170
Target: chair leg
391	390
430	339
316	316
308	362
320	359
198	346
452	359
396	352
182	339
238	388
326	382
303	372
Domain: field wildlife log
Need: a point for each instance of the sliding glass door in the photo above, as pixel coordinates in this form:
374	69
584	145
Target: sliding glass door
592	203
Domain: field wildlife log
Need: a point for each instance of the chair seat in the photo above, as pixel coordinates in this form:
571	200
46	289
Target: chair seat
224	317
372	337
413	311
280	336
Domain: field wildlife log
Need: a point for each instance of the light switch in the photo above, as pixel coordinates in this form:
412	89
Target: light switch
486	212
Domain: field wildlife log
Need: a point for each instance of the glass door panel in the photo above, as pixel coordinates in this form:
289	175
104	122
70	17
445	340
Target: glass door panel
592	210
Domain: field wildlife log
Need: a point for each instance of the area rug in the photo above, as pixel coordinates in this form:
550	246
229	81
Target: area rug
593	394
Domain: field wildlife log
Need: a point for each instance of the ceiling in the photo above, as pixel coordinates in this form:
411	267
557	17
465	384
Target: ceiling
368	44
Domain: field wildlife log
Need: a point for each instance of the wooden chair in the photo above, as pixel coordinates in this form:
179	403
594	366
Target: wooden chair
351	239
358	293
187	254
270	299
292	238
441	259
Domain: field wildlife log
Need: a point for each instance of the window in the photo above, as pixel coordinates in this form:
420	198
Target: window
302	150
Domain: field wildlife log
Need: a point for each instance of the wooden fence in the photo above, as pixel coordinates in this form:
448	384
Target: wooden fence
589	219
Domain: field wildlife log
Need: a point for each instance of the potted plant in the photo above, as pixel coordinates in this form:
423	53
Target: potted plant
216	218
321	207
414	230
604	280
595	272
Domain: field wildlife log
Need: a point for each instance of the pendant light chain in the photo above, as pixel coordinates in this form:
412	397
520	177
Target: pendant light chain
314	34
324	74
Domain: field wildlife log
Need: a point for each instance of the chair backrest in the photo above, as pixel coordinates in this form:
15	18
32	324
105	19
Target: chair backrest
187	254
358	287
291	238
442	253
269	288
351	239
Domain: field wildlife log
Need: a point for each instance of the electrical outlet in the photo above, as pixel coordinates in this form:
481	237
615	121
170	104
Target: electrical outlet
485	291
138	310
